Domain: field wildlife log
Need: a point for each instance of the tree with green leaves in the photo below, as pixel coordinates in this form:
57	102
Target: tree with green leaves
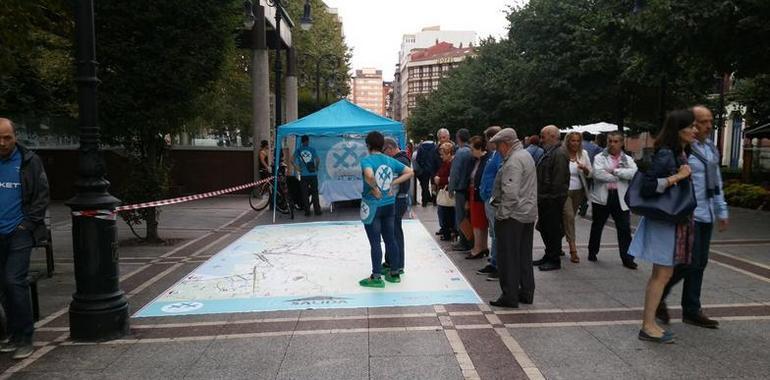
157	59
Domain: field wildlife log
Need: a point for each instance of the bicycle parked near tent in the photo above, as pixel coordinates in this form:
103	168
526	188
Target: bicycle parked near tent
261	195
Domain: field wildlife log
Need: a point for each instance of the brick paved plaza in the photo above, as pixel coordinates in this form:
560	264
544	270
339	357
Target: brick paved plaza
582	325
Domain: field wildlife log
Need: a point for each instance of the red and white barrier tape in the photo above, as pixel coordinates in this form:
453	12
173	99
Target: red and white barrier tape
110	214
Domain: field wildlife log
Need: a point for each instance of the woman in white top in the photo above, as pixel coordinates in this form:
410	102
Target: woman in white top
579	170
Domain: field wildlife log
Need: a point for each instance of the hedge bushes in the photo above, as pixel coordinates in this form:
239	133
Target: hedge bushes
747	196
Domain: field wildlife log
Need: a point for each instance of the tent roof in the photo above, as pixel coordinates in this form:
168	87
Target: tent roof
594	129
338	118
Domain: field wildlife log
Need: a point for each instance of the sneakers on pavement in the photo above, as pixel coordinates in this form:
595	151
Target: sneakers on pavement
372	282
393	278
23	352
494	276
8	347
486	270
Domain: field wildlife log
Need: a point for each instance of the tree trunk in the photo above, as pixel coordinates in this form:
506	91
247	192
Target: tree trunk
152	226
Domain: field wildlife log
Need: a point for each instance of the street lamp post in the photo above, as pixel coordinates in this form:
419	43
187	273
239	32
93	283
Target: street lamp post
305	23
319	60
99	309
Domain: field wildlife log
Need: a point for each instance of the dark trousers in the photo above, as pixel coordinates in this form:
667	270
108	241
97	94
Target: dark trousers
692	273
309	186
514	259
424	180
382	227
295	190
622	220
446	220
15	249
401	206
550	225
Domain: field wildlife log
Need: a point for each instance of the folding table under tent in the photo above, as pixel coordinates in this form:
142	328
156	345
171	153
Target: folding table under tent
337	133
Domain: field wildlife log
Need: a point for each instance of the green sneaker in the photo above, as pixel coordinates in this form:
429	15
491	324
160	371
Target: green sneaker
371	282
393	278
386	270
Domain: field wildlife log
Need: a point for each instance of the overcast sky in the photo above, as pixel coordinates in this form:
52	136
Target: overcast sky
373	28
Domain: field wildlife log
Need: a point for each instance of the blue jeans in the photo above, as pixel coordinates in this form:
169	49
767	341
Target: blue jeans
15	249
460	198
490	212
401	206
382	226
692	273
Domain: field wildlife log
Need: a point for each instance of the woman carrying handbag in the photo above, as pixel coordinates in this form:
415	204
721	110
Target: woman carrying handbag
444	199
664	240
579	172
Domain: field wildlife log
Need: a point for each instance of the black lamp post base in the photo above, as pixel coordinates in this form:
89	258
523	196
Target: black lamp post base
99	320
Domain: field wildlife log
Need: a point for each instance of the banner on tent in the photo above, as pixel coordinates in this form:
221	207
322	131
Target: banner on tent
339	175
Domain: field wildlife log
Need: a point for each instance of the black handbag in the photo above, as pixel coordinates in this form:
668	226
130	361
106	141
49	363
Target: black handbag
674	205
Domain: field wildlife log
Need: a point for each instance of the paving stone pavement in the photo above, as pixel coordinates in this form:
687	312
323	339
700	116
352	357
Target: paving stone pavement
582	325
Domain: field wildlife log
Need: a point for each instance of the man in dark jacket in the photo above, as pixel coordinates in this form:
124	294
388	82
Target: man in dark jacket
425	165
402	199
24	200
459	177
552	186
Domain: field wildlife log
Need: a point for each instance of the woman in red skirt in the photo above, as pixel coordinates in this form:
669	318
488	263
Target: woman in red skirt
478	217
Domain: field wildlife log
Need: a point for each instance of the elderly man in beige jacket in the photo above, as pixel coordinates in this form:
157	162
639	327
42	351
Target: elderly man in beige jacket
514	198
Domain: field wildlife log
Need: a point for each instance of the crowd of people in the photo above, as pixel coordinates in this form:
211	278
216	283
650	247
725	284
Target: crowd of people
494	190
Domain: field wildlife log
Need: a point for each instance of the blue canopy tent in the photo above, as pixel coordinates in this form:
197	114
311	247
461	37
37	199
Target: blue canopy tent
337	133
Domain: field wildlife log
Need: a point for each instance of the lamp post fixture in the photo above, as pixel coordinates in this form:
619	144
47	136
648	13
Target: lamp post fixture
99	309
306	23
319	60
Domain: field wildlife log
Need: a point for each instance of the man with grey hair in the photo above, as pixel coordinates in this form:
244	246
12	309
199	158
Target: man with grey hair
24	196
552	185
514	199
402	203
459	177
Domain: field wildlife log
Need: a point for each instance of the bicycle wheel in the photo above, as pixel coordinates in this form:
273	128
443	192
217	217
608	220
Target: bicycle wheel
260	197
281	205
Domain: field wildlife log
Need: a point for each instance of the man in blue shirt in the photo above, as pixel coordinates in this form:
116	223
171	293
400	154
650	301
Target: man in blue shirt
382	175
534	148
485	190
306	161
707	183
24	200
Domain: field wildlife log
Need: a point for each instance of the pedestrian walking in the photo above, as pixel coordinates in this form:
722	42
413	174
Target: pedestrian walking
515	202
424	163
552	185
24	199
306	161
459	178
707	182
446	212
402	203
661	242
534	148
579	175
476	203
381	176
613	170
485	191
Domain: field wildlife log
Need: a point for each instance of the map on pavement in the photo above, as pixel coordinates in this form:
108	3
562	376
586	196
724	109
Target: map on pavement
311	266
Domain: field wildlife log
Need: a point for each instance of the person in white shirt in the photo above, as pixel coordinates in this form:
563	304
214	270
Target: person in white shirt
613	170
579	172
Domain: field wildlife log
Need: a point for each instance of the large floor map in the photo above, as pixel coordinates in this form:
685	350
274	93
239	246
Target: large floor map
311	265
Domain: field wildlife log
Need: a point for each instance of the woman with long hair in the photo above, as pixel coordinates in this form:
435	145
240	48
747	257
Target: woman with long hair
579	171
660	242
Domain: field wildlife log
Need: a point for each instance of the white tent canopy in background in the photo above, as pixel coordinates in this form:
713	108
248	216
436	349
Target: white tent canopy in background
594	129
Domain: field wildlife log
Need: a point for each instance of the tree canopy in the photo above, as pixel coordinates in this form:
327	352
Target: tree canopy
583	61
